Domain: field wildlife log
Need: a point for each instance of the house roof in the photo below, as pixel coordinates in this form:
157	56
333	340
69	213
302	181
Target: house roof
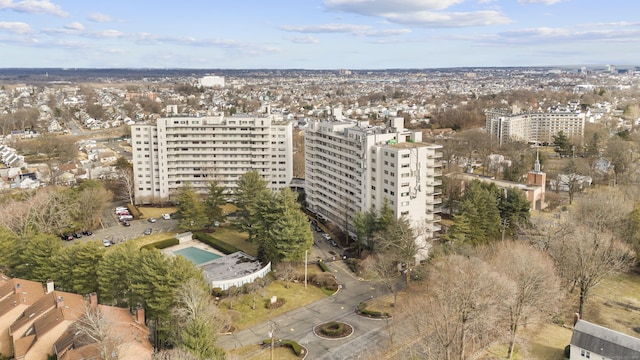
606	342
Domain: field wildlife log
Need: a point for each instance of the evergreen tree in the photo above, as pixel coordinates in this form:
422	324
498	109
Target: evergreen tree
251	188
480	208
8	250
37	257
282	230
115	275
212	204
190	209
86	256
562	145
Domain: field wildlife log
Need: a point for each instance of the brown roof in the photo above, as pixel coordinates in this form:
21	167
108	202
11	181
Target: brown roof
22	345
30	292
33	312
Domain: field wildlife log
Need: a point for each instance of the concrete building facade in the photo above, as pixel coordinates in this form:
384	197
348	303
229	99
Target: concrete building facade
351	166
533	127
197	150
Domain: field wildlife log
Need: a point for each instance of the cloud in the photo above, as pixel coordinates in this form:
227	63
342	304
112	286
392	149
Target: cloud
33	7
304	40
420	13
15	27
548	35
74	26
546	2
101	18
378	7
358	30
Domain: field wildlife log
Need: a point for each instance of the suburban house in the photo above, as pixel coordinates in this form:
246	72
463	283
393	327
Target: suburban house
595	342
37	321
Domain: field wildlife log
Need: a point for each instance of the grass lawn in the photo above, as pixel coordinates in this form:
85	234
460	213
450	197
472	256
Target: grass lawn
235	238
295	297
257	352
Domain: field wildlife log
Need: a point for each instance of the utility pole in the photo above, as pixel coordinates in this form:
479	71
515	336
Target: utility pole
271	333
305	267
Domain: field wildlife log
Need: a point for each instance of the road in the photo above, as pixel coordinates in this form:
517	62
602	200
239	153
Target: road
370	335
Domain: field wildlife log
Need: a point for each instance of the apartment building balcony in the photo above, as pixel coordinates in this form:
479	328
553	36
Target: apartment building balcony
436	155
434	182
434	201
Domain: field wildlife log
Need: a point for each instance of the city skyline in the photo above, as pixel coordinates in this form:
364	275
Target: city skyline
318	34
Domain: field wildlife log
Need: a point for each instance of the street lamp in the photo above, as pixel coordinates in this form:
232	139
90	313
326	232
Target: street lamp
271	333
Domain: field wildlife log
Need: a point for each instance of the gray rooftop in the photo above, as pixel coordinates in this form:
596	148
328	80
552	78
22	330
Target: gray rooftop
606	342
231	266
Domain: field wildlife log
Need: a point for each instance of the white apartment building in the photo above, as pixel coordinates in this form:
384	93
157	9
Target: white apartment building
196	150
351	166
534	127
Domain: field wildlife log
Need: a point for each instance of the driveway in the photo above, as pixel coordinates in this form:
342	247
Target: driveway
370	335
119	233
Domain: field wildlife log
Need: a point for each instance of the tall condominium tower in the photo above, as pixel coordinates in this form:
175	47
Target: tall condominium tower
351	166
196	150
534	127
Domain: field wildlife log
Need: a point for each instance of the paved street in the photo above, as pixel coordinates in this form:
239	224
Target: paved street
369	334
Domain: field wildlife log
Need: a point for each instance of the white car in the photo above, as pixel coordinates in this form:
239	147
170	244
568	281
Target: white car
326	236
106	242
166	216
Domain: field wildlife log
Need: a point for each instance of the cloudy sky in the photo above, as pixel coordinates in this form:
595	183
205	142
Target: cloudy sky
317	34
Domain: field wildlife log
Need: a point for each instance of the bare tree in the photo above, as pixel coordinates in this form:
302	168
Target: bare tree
174	354
383	269
90	203
536	287
398	242
93	329
126	182
459	307
286	272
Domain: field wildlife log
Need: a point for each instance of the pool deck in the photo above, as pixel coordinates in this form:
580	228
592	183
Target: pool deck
192	243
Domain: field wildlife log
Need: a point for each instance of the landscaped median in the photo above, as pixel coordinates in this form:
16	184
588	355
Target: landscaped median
299	350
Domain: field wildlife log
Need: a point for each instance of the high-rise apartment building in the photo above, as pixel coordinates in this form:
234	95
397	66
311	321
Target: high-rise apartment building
534	127
196	150
351	166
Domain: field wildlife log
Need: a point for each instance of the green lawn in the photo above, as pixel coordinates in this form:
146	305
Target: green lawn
295	297
257	352
235	238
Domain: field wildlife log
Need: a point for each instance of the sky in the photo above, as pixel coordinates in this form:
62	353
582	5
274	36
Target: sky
317	34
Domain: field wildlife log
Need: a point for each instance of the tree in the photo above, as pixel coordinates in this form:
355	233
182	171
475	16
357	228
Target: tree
53	148
383	269
37	257
281	229
251	187
536	287
619	152
398	241
365	227
8	250
125	180
91	199
190	208
115	275
459	307
562	145
478	209
197	321
94	329
212	204
514	208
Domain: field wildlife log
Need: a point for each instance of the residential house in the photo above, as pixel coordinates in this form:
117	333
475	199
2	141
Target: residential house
38	321
595	342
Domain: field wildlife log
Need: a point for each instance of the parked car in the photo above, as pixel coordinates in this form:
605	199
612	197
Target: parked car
151	220
87	233
126	223
166	216
125	218
106	242
148	231
66	237
326	236
77	235
333	243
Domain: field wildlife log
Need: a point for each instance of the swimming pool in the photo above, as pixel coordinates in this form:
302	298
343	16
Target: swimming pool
197	256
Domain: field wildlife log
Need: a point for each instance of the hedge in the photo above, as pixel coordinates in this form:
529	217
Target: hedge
297	349
332	328
323	266
162	244
216	244
362	309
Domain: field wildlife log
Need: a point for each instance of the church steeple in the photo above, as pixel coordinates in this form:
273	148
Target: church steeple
536	166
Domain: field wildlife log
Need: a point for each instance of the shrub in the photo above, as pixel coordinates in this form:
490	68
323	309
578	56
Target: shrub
332	328
162	244
279	302
297	349
323	266
216	244
354	265
325	280
362	309
567	351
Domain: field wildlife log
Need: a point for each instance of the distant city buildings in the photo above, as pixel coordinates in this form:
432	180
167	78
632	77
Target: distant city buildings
352	166
197	150
211	81
534	127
